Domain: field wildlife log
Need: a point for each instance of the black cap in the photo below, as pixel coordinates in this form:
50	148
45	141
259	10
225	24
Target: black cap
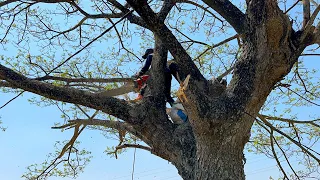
148	51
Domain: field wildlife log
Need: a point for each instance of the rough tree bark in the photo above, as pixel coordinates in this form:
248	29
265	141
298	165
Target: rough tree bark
221	122
211	145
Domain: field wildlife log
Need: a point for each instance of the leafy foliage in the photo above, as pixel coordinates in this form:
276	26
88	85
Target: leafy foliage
69	165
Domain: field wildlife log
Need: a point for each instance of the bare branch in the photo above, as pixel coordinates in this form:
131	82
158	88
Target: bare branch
12	99
285	156
310	55
190	40
122	126
292	6
201	7
312	122
217	45
272	147
306	12
165	9
133	146
71	29
97	16
67	147
96	38
162	31
302	97
303	147
275	154
308	26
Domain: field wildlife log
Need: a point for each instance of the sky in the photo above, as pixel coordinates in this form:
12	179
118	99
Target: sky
29	138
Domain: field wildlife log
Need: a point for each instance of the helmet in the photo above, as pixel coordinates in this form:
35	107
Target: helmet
148	51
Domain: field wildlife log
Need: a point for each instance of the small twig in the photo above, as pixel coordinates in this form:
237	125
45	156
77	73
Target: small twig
88	44
292	6
201	7
133	146
275	154
218	44
285	156
290	120
64	126
304	85
303	148
310	55
12	99
272	139
302	97
35	64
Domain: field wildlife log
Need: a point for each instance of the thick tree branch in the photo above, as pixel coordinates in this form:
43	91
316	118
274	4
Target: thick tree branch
3	3
308	26
229	12
6	84
161	30
85	80
316	32
142	127
165	9
109	105
306	12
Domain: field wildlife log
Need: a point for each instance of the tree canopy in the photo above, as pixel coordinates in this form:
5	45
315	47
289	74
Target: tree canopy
70	52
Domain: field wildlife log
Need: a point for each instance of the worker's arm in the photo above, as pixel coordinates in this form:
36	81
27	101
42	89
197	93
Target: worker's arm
146	66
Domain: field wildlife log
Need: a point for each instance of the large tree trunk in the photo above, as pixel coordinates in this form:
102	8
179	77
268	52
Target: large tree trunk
219	158
221	119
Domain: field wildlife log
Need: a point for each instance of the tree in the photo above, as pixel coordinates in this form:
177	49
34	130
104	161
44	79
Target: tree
270	40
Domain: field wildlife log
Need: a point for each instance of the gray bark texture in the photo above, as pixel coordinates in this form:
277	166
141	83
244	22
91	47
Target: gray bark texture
210	146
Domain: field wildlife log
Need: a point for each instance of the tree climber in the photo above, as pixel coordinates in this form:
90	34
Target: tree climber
148	55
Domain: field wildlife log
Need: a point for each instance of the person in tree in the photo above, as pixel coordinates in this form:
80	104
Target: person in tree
148	55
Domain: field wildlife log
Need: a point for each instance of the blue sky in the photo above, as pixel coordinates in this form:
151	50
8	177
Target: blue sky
29	138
